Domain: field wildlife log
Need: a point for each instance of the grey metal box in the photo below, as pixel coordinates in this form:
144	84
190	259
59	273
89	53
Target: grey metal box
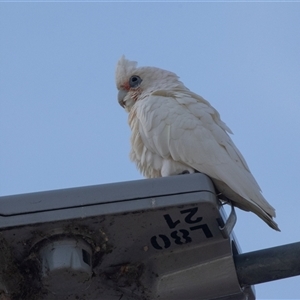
145	239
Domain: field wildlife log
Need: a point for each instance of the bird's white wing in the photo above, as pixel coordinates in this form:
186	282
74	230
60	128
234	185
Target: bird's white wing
186	128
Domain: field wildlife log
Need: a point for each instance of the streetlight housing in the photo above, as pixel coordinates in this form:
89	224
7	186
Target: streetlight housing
164	238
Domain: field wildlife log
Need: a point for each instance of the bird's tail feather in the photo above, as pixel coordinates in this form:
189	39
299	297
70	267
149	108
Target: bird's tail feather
248	204
259	212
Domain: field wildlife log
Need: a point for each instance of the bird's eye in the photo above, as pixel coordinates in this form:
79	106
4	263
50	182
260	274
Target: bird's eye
135	81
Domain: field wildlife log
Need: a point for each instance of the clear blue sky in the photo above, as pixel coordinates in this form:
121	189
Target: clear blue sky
61	125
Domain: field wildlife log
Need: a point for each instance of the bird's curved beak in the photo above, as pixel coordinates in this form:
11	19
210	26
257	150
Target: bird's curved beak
121	96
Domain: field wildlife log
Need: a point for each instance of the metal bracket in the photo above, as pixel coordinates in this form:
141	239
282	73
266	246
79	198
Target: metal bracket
228	227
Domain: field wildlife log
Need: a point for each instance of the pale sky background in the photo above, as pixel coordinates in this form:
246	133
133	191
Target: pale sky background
61	125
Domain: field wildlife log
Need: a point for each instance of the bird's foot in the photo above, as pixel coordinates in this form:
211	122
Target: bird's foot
184	172
224	200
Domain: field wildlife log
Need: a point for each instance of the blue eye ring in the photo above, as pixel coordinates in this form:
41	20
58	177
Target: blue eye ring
135	81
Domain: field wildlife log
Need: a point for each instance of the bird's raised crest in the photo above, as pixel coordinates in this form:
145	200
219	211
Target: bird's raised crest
124	68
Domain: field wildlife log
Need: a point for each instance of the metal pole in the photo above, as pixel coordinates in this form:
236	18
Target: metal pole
268	264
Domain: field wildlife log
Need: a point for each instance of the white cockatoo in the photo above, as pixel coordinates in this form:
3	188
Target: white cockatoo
176	131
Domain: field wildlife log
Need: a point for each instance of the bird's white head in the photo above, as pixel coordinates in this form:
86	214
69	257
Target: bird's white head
135	83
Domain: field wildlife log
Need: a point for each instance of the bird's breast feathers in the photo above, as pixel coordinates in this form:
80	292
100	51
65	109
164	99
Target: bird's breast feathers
174	129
